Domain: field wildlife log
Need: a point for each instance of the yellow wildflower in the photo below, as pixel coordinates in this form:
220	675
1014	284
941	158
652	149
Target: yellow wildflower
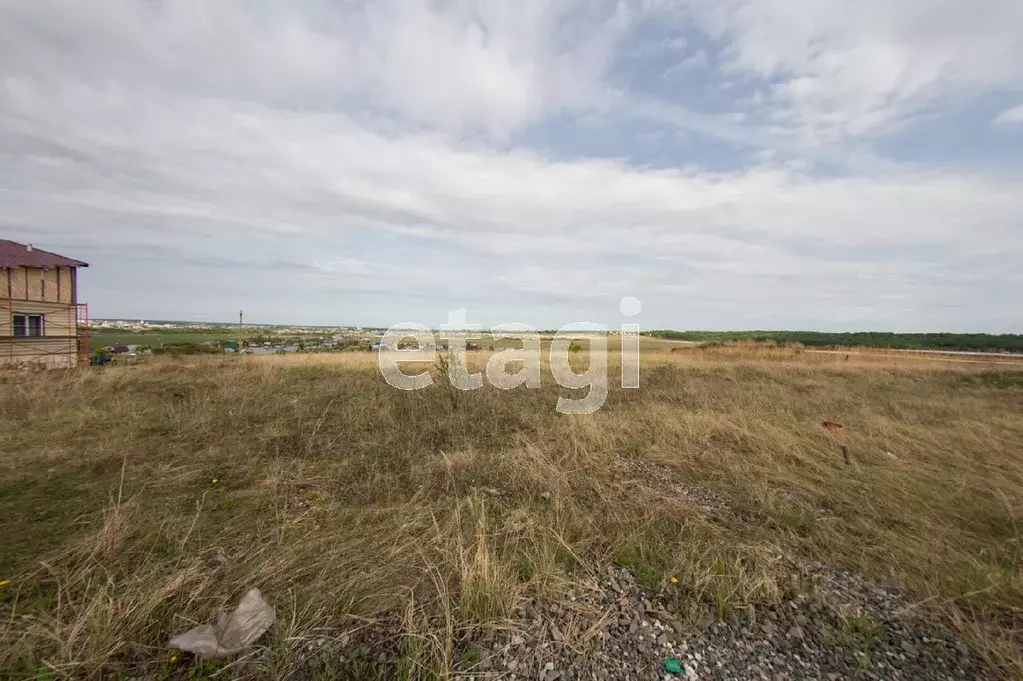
674	580
4	582
213	481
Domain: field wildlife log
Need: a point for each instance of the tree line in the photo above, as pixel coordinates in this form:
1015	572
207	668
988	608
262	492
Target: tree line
1006	342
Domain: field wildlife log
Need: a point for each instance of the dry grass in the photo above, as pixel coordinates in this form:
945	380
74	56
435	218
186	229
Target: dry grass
345	501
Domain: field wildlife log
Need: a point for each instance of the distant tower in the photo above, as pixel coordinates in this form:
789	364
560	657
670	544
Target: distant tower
240	316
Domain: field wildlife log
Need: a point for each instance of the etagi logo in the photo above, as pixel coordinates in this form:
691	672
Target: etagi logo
457	332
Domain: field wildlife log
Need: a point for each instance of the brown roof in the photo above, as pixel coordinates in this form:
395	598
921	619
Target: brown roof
13	254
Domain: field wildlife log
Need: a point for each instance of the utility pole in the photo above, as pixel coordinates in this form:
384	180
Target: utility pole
240	316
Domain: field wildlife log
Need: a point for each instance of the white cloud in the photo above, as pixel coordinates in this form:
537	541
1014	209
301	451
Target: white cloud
839	69
1014	115
456	65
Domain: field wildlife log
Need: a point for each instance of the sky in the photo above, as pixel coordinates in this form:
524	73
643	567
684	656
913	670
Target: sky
732	164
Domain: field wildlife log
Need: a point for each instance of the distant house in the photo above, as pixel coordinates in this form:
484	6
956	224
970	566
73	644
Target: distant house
40	315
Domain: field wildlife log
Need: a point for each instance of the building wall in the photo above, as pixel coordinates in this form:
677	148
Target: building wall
52	285
48	352
17	282
59	321
48	292
66	285
50	281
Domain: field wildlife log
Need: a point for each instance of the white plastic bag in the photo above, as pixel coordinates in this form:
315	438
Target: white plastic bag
233	632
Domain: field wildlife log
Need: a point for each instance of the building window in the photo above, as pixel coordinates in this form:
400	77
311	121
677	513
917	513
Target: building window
28	325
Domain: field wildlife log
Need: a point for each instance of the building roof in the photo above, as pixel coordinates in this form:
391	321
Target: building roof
13	254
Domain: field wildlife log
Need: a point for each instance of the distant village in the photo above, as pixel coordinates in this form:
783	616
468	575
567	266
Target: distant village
141	338
177	338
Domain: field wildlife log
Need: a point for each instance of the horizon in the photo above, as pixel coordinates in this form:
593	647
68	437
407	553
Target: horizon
221	324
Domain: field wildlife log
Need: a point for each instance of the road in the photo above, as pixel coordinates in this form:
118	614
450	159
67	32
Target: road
945	355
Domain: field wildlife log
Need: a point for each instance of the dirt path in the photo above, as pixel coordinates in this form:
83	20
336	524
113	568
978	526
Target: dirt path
1012	360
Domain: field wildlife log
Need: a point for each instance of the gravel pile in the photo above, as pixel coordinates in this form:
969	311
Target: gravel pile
706	500
614	629
838	626
611	628
835	626
606	629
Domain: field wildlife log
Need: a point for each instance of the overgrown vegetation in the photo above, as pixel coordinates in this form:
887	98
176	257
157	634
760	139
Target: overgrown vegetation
1006	342
135	500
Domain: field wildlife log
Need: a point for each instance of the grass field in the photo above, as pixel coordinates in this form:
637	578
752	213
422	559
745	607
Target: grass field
102	337
137	499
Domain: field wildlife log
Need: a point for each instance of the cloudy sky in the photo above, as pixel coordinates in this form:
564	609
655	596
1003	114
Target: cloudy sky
812	164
